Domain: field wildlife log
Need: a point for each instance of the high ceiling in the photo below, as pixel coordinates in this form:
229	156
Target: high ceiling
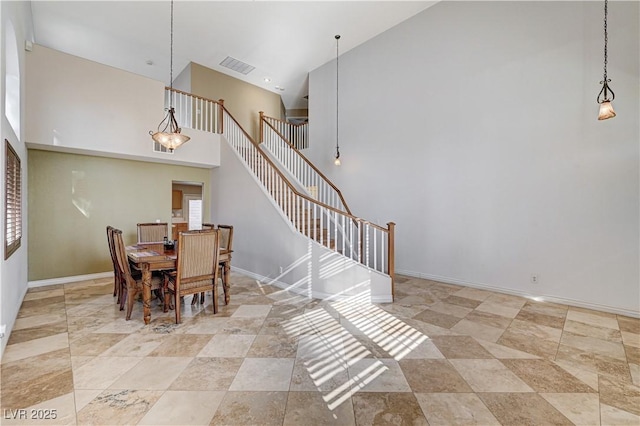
284	41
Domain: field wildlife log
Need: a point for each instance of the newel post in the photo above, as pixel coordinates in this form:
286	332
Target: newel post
392	258
260	140
221	116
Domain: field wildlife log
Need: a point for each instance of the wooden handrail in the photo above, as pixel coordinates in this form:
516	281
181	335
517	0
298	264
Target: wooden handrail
180	92
288	122
306	160
286	181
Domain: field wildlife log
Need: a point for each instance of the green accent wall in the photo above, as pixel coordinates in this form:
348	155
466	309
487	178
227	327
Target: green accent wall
72	198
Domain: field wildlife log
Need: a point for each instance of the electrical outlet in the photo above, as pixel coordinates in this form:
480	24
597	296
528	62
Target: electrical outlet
535	279
3	329
281	269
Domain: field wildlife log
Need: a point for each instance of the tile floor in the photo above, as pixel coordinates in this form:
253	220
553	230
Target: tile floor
440	355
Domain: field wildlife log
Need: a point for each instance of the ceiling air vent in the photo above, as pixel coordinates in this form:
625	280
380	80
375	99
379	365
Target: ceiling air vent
237	65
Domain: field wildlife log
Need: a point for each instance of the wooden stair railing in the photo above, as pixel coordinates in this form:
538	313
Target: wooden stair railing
353	237
296	134
307	174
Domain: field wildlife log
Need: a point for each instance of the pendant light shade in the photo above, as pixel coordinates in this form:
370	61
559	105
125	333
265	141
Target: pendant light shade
170	136
168	133
606	108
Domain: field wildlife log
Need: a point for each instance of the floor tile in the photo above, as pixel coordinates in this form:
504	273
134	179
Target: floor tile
392	408
35	347
183	408
614	416
433	375
523	409
204	373
580	408
306	407
498	309
26	334
377	375
489	375
602	333
263	374
265	346
437	318
251	408
593	345
94	343
135	345
544	376
181	345
101	372
631	325
152	373
599	319
618	394
316	375
477	330
444	409
252	311
227	346
118	407
460	347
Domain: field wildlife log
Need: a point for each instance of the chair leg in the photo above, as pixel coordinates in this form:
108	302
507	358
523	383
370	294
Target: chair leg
194	299
123	296
215	297
131	296
177	310
202	298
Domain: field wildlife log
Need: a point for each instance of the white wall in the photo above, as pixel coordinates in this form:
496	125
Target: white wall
263	241
76	105
473	126
13	271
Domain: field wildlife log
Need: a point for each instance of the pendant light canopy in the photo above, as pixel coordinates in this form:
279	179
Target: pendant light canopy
337	161
168	133
606	108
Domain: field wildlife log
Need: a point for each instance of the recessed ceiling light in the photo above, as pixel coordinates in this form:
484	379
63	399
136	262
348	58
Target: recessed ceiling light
267	79
280	88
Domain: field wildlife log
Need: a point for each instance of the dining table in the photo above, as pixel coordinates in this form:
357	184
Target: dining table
149	257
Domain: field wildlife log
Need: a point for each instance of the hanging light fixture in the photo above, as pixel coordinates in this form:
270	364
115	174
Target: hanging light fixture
337	160
168	133
606	108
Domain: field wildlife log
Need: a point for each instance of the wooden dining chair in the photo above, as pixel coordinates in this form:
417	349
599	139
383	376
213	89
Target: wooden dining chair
114	261
196	268
206	226
133	283
152	232
224	260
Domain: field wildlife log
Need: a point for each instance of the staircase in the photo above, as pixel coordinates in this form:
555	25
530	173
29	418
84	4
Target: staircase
312	206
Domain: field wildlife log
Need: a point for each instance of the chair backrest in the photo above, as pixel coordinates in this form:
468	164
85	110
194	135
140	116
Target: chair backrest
206	226
111	248
197	261
152	232
226	236
121	254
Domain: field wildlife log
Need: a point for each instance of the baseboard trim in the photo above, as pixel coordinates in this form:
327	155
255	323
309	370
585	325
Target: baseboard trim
72	279
536	297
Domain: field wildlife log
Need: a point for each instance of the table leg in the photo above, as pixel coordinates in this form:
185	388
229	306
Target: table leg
227	273
146	292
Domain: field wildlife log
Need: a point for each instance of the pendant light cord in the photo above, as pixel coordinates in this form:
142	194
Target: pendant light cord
337	97
606	39
171	62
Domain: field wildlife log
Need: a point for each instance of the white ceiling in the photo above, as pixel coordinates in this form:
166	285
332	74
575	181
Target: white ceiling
283	40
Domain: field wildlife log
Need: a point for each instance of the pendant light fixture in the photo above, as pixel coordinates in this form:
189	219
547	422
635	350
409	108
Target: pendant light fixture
168	133
337	161
606	108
